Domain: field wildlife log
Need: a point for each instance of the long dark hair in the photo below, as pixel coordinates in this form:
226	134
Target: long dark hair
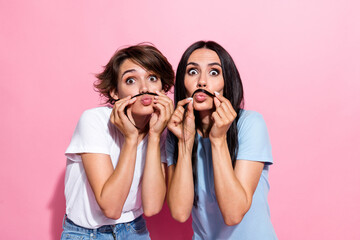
233	91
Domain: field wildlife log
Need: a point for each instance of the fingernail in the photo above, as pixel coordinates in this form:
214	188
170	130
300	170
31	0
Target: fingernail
216	93
190	98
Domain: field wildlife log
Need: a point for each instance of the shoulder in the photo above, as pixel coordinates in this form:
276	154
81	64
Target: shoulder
95	118
250	118
101	112
253	136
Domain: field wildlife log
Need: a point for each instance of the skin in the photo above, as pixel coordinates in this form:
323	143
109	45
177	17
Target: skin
111	186
234	187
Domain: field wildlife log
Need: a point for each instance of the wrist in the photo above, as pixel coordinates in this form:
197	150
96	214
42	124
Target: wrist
185	147
131	139
218	141
154	134
154	137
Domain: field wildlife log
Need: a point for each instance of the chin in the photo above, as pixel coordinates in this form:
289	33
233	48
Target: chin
143	111
203	107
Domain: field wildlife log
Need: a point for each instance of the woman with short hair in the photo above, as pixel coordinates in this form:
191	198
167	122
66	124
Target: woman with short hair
115	170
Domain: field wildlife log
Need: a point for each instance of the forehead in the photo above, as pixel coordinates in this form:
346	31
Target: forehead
129	64
204	55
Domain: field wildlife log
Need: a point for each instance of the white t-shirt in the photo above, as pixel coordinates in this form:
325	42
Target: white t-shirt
95	133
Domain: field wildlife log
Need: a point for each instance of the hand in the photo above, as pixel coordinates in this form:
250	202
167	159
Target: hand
223	116
164	108
183	129
121	121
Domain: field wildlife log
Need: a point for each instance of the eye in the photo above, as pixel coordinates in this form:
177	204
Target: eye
153	78
130	81
192	71
214	72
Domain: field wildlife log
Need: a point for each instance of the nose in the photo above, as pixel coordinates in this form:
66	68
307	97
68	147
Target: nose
202	81
144	87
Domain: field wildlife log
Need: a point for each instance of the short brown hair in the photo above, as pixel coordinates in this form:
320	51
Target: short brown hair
146	56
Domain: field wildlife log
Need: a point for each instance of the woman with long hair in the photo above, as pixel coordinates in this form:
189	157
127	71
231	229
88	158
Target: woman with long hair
218	154
115	170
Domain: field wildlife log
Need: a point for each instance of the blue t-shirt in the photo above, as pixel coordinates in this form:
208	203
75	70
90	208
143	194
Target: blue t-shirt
208	223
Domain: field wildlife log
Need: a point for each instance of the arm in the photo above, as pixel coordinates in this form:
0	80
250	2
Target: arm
180	179
234	188
181	186
111	186
153	181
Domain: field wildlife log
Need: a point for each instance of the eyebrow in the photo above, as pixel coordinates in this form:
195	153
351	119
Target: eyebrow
128	71
215	63
210	64
192	63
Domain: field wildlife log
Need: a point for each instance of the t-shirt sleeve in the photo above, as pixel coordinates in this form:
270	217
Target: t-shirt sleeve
170	148
254	141
90	136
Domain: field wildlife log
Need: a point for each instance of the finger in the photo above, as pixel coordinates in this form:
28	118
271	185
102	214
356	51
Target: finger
176	119
128	107
226	117
162	111
160	93
217	119
229	111
169	102
224	100
123	104
180	110
118	105
179	113
163	97
167	106
219	96
163	101
119	101
190	110
121	108
183	102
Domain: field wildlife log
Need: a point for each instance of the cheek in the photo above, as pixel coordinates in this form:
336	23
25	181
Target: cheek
124	91
219	85
154	86
159	86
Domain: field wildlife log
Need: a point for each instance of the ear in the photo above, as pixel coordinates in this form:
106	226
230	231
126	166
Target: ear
114	94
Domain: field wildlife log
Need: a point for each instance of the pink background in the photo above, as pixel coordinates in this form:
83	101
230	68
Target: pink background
299	61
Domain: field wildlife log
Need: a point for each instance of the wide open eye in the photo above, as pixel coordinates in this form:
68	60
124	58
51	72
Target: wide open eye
130	81
192	71
214	72
153	78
